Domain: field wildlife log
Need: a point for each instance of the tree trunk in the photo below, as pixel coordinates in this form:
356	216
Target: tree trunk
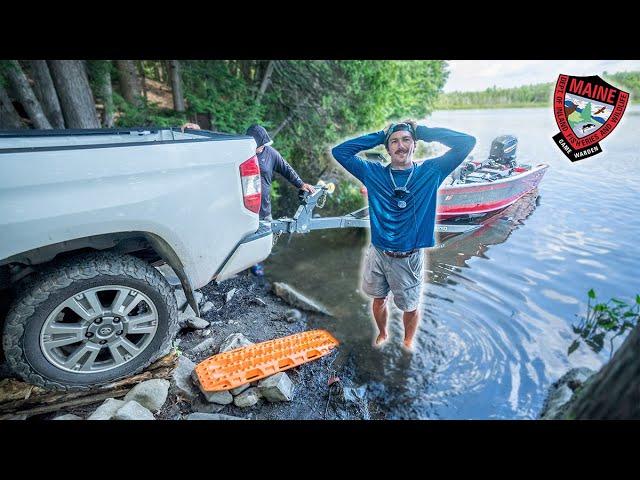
107	95
614	392
158	70
143	76
176	86
46	92
266	80
129	81
9	118
245	68
76	98
24	94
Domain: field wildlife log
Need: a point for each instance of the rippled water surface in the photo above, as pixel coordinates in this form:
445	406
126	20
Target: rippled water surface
498	304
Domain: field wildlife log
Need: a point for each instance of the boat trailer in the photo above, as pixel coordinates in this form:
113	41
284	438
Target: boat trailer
303	221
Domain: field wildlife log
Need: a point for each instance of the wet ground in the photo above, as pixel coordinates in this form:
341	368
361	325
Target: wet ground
243	314
260	321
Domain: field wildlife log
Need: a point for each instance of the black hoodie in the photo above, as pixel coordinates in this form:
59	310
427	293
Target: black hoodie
270	160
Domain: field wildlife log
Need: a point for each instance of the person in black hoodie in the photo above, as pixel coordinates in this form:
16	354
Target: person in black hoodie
269	160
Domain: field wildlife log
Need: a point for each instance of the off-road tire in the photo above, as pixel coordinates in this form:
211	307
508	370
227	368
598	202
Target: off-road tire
37	299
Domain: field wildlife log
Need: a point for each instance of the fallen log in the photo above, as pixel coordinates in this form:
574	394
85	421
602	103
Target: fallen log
20	398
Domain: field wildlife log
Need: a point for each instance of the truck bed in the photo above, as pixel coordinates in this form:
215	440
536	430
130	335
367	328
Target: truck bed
34	140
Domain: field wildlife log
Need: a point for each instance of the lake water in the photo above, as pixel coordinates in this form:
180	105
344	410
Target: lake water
499	304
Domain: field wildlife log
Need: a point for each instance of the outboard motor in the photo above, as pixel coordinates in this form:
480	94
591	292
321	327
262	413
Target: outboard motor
503	150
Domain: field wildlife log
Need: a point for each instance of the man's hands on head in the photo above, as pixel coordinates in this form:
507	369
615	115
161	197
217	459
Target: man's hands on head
412	123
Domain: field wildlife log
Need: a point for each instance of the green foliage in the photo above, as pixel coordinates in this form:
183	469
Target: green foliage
524	96
275	191
537	95
147	115
345	199
309	105
627	81
615	316
96	70
4	66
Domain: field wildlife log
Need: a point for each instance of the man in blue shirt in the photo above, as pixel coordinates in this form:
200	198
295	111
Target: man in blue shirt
402	212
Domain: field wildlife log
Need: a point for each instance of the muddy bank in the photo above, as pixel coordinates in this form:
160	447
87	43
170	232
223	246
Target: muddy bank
254	311
248	306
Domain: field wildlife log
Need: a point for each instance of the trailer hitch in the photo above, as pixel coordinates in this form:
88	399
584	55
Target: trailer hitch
303	220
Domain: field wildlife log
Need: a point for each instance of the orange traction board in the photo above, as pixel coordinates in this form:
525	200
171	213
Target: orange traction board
246	364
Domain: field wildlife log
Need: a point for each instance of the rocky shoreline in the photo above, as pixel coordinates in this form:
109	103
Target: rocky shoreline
563	392
238	312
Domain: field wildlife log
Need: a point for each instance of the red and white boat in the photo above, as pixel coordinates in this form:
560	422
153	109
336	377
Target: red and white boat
472	199
476	189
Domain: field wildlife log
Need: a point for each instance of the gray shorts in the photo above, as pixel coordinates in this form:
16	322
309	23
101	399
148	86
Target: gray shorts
403	276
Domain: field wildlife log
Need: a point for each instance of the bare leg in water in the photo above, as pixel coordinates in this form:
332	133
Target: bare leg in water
380	314
410	320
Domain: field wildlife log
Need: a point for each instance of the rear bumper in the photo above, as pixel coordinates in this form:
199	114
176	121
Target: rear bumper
254	248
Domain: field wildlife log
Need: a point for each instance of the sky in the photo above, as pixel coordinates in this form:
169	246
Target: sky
473	75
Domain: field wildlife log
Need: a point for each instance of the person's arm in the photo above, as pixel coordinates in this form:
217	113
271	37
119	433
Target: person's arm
460	145
281	166
345	153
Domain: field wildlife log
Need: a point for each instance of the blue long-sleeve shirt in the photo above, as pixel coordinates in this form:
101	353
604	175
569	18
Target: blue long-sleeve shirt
403	229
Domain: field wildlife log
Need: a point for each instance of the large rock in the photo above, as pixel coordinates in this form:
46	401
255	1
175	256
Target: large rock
150	394
247	398
297	299
240	389
107	410
558	398
221	398
276	388
182	377
205	407
197	323
132	410
204	346
561	392
183	317
68	416
206	308
235	340
211	416
576	377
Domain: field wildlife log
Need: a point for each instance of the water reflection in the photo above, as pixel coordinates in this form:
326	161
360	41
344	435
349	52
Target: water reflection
499	302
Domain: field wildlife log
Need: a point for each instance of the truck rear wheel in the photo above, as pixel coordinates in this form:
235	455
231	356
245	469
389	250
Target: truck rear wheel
89	320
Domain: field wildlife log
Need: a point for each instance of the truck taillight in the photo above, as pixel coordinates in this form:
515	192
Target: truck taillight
251	190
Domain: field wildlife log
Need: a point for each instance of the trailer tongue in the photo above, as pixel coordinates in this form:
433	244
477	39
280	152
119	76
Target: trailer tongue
303	220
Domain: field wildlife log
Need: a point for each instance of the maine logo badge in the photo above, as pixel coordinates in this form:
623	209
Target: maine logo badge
587	109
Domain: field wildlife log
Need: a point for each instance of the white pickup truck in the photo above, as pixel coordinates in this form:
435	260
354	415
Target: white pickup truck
83	216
